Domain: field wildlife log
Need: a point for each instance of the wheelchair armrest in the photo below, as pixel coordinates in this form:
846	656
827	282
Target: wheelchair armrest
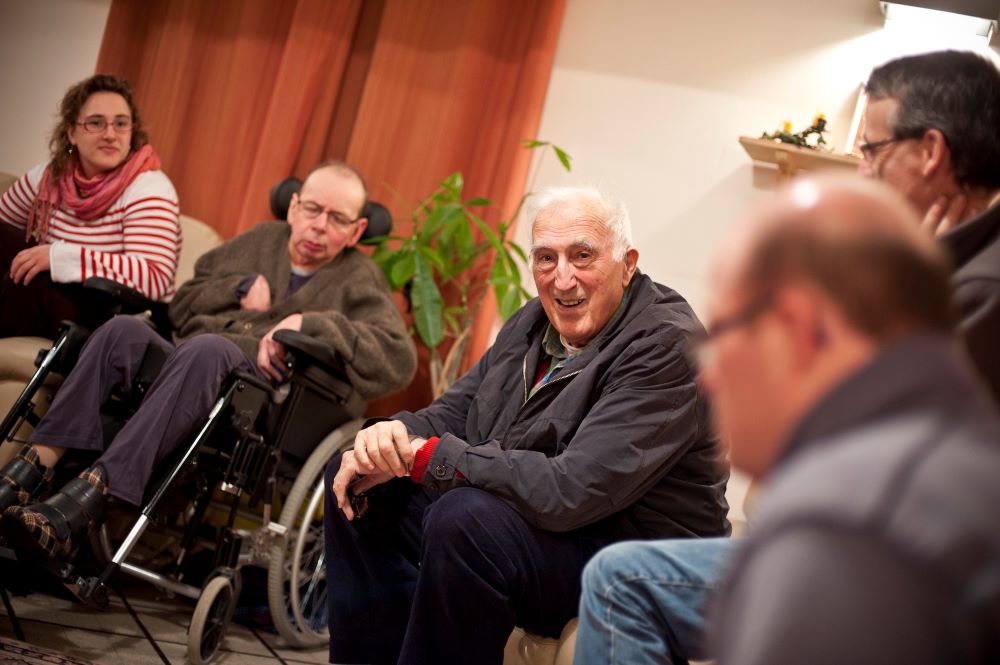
126	295
253	380
305	349
123	299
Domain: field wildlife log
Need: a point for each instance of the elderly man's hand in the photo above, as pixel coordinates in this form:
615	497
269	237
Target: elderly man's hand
386	447
271	354
29	262
350	479
258	298
946	213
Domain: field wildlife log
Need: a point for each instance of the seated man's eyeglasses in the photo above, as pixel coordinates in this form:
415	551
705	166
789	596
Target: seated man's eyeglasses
96	124
337	220
744	317
870	150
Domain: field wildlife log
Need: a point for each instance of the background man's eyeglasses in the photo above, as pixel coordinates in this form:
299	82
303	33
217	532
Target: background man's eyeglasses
870	150
98	124
338	220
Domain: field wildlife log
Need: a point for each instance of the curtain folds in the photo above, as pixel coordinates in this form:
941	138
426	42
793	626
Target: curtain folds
236	94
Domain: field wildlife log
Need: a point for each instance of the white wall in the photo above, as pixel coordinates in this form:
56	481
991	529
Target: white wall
45	46
649	97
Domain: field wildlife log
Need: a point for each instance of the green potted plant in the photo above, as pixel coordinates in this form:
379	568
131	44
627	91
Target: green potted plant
448	265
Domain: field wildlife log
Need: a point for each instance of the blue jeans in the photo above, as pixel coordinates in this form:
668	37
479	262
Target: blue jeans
646	601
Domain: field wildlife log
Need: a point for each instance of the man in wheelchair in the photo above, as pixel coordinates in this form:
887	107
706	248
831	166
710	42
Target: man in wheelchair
304	276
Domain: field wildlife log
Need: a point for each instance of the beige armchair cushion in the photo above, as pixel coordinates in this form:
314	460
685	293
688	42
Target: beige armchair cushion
524	648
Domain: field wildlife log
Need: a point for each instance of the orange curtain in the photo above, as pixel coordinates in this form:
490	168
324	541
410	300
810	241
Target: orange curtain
227	89
455	86
237	95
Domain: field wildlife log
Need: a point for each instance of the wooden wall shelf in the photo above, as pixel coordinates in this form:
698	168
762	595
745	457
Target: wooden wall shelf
791	159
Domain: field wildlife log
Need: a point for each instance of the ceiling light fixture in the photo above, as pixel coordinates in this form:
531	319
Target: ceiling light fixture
971	17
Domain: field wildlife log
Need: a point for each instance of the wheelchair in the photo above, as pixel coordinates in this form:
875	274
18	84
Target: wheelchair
258	444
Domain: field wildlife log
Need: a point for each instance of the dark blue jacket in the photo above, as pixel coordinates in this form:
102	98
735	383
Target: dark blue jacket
619	440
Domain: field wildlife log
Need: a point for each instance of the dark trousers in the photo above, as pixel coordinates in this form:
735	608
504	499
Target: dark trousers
178	402
38	308
429	578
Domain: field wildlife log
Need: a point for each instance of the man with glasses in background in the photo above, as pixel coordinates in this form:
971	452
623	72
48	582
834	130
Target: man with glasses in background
304	275
932	132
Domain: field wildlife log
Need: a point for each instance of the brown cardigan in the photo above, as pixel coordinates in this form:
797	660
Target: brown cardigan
346	305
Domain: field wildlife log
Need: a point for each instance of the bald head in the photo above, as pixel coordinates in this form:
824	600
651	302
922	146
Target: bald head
860	244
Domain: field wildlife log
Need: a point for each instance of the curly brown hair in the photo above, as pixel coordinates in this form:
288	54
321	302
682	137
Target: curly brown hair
69	111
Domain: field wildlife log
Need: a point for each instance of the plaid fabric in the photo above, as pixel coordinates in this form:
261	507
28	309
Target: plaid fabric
45	533
27	455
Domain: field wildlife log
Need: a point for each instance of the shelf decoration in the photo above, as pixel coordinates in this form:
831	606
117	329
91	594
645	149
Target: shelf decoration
811	137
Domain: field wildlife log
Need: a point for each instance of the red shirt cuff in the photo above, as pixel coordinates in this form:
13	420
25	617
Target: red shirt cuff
422	459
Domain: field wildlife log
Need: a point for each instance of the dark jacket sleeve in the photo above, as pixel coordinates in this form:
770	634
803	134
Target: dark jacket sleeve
651	387
979	304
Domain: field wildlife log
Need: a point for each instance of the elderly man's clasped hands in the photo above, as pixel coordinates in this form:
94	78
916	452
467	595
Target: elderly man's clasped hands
381	452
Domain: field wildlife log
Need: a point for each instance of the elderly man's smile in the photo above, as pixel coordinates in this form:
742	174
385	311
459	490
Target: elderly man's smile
570	304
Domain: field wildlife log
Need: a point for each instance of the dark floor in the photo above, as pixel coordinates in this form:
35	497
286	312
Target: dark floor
155	634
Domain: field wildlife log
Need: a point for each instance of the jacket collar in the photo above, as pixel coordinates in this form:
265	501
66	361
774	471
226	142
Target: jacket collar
969	238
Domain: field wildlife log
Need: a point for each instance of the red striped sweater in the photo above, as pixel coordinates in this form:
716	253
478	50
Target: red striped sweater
136	243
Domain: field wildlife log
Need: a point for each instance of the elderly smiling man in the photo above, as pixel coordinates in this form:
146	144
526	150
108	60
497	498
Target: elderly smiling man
582	425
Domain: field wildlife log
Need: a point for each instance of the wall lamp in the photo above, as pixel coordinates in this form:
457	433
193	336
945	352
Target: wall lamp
970	17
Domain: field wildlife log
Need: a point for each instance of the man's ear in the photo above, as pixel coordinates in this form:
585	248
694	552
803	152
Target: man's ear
358	232
936	153
800	310
631	260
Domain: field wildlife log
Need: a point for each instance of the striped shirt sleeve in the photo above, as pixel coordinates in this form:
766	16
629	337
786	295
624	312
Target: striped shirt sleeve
145	258
16	201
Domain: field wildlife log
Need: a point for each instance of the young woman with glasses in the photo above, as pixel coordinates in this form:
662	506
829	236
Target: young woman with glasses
100	207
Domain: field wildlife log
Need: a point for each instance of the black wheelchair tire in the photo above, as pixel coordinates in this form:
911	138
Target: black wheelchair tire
283	598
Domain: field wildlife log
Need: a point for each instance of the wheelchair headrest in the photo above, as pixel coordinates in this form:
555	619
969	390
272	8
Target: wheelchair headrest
379	218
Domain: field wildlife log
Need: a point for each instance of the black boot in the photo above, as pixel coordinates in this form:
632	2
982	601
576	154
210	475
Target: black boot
22	478
56	526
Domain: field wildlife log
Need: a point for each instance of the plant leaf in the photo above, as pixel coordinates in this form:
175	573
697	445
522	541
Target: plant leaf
509	303
488	232
564	158
519	251
431	255
478	201
426	304
401	270
533	143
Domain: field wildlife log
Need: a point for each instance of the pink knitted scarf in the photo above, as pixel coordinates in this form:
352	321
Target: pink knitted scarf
87	198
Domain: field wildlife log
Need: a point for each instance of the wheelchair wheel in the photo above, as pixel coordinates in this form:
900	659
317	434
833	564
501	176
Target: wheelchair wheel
296	580
211	617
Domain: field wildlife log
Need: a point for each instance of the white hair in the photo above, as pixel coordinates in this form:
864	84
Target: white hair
612	214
